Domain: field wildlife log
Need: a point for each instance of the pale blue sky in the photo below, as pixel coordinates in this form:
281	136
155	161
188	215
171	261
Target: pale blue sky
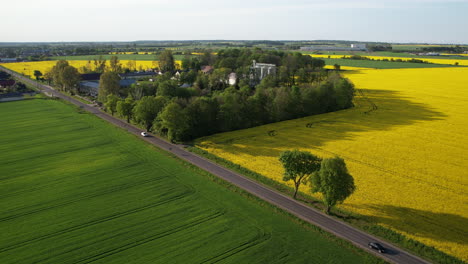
431	21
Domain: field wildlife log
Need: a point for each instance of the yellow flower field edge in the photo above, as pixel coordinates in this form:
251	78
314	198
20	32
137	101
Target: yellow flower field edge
418	248
450	61
28	68
408	156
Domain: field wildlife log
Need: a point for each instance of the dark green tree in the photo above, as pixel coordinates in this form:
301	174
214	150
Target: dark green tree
298	166
37	74
147	108
125	108
108	84
111	103
166	61
70	78
333	181
174	120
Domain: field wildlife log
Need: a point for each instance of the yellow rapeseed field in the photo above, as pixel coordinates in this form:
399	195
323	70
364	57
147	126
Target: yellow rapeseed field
28	68
409	157
450	61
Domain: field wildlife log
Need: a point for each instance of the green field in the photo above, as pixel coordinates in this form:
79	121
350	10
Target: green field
148	57
383	64
386	54
75	189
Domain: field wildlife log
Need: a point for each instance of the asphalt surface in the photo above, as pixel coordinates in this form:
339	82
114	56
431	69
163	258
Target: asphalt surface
308	214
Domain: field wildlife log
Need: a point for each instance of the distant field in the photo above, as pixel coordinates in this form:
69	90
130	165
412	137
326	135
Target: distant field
462	61
388	54
75	189
405	143
381	64
142	57
417	47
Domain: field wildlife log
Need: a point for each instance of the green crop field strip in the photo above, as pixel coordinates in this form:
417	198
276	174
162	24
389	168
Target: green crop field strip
74	189
382	64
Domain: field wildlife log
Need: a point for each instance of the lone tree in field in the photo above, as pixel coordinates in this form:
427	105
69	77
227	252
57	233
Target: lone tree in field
298	166
37	74
333	181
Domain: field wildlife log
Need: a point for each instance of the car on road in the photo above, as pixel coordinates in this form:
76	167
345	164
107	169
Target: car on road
144	134
376	246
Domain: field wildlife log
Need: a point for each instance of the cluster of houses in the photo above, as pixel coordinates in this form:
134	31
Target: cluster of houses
89	83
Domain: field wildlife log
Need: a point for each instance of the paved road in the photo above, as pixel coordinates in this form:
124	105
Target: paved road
311	215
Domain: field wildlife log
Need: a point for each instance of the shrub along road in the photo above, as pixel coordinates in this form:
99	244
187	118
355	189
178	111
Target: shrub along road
311	215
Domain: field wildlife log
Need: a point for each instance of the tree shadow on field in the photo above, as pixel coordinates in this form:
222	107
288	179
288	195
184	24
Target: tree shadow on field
441	227
374	110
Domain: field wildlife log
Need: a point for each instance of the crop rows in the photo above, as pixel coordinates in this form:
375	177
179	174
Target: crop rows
74	189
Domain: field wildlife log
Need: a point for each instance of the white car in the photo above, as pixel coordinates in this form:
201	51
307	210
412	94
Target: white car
144	134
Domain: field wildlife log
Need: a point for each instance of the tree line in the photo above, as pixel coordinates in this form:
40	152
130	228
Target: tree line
210	103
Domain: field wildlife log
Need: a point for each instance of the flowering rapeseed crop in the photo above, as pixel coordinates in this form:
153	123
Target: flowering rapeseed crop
450	61
28	68
408	156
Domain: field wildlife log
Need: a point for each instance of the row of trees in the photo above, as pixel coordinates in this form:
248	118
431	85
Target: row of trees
200	115
64	76
330	177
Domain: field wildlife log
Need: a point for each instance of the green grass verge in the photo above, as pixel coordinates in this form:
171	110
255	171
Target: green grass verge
75	189
359	221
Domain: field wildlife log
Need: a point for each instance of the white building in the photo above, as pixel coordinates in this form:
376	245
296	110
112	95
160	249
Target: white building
232	78
263	69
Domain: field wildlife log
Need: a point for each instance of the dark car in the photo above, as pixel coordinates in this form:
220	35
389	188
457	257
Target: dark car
376	246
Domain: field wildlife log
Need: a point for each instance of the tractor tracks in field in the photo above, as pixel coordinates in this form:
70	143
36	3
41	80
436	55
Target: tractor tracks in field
97	221
373	106
81	198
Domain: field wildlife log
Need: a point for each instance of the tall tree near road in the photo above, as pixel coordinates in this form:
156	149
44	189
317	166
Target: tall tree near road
174	120
166	61
125	108
333	181
111	103
108	84
298	166
56	72
70	77
147	108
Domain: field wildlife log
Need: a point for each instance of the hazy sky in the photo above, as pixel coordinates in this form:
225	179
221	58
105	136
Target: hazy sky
432	21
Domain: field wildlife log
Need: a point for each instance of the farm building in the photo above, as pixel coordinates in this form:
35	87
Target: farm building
353	47
136	75
92	87
258	71
207	69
